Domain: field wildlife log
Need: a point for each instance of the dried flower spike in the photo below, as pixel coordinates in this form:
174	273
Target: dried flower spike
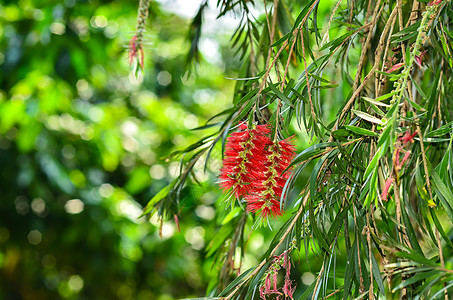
269	284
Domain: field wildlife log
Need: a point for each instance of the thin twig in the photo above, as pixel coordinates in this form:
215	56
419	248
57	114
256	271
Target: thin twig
387	46
318	280
442	262
380	48
361	286
326	35
399	5
370	253
312	109
366	45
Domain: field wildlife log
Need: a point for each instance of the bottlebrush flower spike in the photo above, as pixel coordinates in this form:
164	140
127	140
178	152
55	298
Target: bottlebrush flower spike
268	188
385	193
242	165
395	67
436	2
136	52
136	43
418	58
408	137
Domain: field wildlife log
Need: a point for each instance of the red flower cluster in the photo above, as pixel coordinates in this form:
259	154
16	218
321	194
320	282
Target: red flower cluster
254	167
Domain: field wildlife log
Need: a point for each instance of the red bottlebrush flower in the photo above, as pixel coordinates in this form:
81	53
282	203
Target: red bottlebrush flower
268	187
406	156
136	43
177	222
436	2
400	163
395	67
136	51
385	193
418	58
267	206
242	165
407	137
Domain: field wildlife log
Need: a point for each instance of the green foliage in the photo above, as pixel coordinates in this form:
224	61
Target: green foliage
89	144
368	83
83	144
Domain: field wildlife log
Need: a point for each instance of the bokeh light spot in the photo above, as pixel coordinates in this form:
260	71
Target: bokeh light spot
164	78
75	283
157	172
106	190
22	206
308	278
205	212
34	237
57	28
38	206
74	206
195	237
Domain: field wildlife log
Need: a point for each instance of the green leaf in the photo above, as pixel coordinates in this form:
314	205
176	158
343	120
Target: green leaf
444	194
441	291
235	282
416	257
319	78
447	128
411	233
416	277
378	103
231	215
280	95
326	86
418	88
416	106
311	152
219	239
367	117
319	237
440	228
158	197
348	273
337	223
372	166
410	29
361	131
385	96
377	275
315	174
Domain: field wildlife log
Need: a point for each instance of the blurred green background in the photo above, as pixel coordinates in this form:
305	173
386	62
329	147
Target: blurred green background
82	149
84	146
